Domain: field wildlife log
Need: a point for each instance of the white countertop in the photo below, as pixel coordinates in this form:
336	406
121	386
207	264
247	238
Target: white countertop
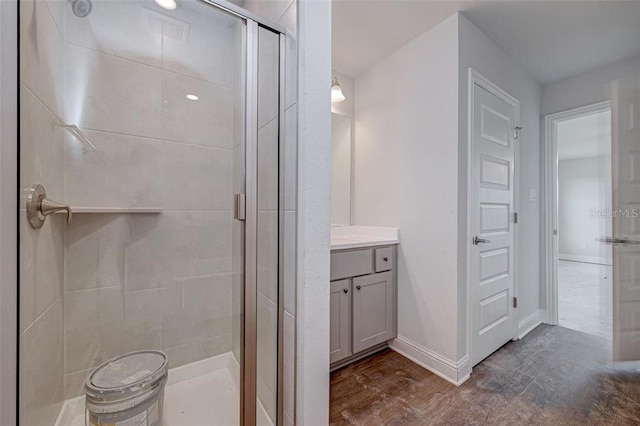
348	237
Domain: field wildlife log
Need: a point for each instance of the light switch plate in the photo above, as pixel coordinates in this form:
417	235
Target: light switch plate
533	194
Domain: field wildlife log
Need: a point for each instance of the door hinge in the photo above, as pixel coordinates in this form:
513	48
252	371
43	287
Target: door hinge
515	217
515	302
239	206
516	132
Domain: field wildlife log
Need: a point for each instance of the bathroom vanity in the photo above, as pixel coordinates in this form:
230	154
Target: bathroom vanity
363	306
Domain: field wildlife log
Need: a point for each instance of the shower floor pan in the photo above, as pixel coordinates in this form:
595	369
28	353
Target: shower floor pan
200	394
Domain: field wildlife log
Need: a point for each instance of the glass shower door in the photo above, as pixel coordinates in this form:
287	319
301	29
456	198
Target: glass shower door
133	115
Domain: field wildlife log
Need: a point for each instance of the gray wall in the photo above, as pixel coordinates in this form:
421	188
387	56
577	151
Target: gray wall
587	88
479	52
406	154
584	185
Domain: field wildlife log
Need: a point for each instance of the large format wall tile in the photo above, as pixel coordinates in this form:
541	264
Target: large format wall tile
289	21
41	267
41	148
58	11
206	46
267	255
290	166
119	95
105	92
268	76
289	330
206	121
195	309
146	251
118	28
129	171
41	369
105	322
267	350
268	162
175	41
95	251
41	54
289	262
198	350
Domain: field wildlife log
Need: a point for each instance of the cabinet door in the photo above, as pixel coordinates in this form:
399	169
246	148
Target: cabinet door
340	321
373	310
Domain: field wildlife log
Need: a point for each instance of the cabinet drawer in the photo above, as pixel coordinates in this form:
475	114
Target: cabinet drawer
351	263
384	259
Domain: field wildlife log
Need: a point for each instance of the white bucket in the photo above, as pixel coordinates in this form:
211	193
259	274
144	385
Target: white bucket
127	390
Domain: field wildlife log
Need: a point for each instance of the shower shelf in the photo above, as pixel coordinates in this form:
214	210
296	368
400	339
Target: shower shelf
117	210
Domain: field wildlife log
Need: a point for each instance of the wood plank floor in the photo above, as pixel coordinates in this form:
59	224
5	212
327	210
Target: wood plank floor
554	376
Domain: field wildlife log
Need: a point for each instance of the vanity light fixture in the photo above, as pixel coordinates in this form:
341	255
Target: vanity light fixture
167	4
192	97
336	91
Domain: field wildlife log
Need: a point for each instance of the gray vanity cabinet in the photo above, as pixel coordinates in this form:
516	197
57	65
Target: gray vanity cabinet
373	310
362	303
340	321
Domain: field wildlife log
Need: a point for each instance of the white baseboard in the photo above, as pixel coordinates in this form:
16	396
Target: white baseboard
529	323
452	371
585	259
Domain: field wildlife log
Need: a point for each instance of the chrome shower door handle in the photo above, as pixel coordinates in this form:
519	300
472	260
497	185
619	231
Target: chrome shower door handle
39	207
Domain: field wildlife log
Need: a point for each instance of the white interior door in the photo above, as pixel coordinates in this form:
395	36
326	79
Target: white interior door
492	207
626	220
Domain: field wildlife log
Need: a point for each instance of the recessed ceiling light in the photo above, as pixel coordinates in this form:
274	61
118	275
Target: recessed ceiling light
167	4
192	97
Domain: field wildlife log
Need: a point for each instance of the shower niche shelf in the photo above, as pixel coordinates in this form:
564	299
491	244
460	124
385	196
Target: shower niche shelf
117	210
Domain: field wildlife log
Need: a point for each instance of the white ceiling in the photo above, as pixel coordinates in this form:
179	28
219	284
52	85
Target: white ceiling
550	39
585	137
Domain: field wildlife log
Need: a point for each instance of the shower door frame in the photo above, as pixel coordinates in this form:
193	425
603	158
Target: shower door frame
9	406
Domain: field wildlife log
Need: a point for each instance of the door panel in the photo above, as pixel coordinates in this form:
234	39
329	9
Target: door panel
492	189
373	302
340	321
626	204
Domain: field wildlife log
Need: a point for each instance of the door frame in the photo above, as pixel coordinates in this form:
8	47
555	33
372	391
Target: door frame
476	78
550	213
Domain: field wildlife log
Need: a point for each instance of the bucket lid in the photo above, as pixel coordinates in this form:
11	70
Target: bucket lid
127	375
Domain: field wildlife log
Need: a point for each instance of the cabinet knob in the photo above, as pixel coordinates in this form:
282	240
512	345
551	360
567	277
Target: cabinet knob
386	259
358	287
346	290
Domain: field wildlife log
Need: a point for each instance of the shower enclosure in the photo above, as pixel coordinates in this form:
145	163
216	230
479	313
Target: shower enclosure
150	211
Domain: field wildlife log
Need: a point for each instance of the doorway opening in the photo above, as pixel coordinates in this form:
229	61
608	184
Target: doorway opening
579	146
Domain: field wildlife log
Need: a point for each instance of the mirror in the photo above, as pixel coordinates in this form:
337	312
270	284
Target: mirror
340	170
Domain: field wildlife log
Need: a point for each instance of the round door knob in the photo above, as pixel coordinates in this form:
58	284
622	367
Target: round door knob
346	290
358	287
386	259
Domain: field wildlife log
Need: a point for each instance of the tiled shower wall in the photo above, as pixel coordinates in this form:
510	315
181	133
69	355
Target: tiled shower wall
112	283
41	251
142	281
284	12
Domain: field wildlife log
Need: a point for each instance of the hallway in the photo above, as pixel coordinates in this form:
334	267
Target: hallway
584	297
